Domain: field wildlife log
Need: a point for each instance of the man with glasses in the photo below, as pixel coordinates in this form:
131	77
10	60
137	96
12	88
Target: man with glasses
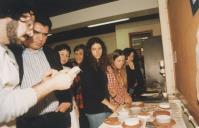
16	23
36	59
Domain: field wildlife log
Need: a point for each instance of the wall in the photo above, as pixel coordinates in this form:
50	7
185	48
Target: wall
109	39
119	39
183	34
123	30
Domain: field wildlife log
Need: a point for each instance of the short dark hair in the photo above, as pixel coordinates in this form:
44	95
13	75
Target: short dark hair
128	51
15	9
80	46
62	47
43	19
85	54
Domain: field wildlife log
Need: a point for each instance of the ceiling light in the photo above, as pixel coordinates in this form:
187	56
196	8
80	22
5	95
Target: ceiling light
109	22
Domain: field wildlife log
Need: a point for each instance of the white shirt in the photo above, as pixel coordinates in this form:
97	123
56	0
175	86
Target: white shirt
13	102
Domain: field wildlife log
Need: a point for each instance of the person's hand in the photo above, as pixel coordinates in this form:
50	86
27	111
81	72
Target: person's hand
64	78
63	107
112	107
28	19
128	99
50	73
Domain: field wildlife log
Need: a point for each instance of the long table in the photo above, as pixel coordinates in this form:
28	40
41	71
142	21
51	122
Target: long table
176	114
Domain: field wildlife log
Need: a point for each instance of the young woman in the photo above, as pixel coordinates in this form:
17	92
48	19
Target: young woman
134	75
94	84
117	79
81	60
64	54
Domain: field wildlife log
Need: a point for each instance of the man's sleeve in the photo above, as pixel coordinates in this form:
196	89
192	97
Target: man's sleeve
14	103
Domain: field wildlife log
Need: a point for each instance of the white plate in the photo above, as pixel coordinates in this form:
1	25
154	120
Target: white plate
164	105
149	94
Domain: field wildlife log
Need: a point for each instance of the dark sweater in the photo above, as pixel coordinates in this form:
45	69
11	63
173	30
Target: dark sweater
134	76
94	90
131	77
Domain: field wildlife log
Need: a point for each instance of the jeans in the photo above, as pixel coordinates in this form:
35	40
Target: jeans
95	120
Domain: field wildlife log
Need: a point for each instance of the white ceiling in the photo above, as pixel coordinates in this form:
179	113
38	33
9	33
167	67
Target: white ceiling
102	13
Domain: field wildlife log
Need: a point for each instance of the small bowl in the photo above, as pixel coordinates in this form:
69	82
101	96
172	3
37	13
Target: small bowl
131	121
122	115
144	116
163	119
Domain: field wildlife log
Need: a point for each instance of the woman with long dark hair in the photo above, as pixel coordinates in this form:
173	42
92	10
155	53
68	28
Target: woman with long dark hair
94	84
134	76
64	55
81	60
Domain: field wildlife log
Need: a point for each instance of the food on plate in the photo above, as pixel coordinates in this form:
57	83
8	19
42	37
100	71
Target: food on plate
163	112
112	121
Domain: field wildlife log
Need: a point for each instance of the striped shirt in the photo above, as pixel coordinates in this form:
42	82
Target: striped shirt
35	65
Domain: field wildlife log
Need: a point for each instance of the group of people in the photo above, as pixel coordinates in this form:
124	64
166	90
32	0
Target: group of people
106	81
40	87
21	89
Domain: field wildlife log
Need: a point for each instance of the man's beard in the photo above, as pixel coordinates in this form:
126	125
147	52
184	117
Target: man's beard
12	32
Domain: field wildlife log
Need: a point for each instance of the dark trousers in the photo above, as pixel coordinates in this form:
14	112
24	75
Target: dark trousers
49	120
83	120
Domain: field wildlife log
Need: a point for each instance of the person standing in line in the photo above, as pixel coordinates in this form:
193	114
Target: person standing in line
16	25
117	79
94	84
64	54
34	59
81	60
134	76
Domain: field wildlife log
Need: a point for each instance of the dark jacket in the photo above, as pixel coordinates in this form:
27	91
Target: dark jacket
94	90
134	76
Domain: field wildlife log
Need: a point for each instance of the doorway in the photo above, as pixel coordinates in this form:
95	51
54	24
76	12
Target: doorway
150	51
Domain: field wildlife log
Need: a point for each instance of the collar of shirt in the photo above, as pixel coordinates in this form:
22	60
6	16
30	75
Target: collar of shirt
33	51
